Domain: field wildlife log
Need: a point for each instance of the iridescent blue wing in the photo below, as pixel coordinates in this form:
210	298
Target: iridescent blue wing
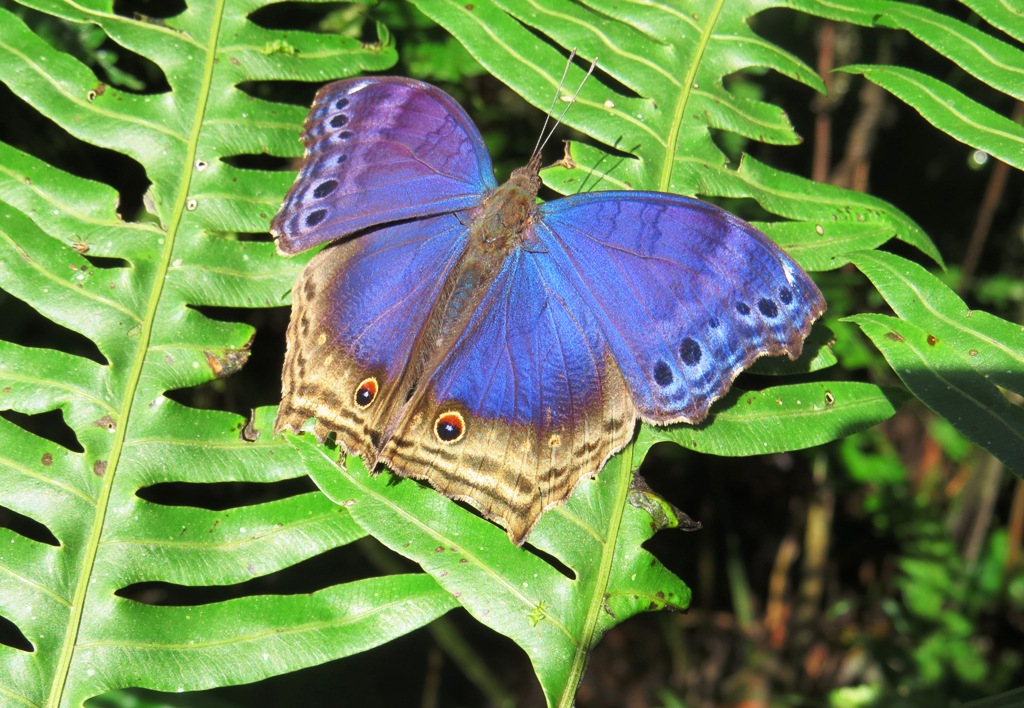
686	294
357	310
527	402
620	306
380	150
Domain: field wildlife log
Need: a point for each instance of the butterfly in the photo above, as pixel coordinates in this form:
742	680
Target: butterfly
501	349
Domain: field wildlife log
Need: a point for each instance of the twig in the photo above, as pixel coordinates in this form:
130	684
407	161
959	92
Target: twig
986	212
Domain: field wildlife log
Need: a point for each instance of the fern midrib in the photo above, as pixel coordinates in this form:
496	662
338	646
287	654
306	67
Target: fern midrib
128	401
599	588
672	141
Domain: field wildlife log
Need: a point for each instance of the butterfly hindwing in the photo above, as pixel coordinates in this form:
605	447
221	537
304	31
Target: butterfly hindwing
380	150
535	401
356	312
686	294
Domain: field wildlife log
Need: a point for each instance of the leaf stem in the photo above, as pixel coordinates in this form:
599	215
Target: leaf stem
134	379
588	635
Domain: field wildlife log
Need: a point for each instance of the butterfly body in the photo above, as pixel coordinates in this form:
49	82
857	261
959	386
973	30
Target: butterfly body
460	333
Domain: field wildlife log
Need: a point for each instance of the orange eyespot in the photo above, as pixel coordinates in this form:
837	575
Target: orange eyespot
450	427
366	392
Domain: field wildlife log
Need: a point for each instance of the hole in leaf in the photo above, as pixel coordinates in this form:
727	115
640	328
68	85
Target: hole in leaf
218	496
49	425
300	93
23	325
27	527
105	262
550	560
154	9
260	237
113	64
341	18
12	637
599	74
267	163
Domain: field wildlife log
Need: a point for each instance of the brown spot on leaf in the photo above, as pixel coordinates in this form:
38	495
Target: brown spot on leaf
228	362
47	459
973	352
895	336
99	468
830	399
105	422
932	340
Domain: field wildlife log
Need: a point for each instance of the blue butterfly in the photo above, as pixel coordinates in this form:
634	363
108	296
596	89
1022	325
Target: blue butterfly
461	333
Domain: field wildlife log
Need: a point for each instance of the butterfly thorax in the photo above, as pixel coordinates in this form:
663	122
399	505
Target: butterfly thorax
500	225
503	220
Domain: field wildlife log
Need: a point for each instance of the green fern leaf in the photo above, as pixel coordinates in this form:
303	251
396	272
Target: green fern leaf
986	58
58	234
953	359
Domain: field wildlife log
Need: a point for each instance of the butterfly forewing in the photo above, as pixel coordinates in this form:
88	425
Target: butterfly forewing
380	150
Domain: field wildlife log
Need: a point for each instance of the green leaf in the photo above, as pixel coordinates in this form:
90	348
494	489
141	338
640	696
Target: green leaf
952	358
985	57
951	111
132	289
556	615
781	418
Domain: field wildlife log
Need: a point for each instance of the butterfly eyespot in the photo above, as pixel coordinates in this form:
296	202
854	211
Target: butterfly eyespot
785	296
690	351
340	104
713	323
450	427
663	374
342	158
743	308
325	188
345	135
366	393
768	308
339	120
315	217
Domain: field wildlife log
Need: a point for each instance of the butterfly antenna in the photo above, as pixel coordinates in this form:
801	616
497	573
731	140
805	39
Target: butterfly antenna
545	134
